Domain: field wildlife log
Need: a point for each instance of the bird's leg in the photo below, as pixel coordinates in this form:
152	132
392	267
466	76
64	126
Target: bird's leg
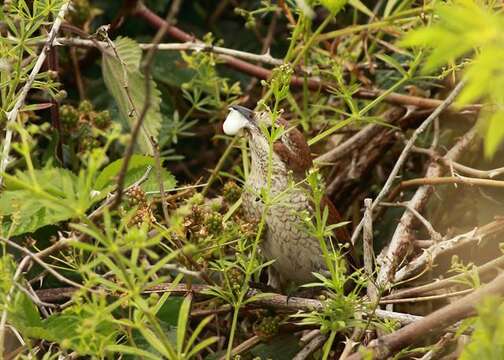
274	278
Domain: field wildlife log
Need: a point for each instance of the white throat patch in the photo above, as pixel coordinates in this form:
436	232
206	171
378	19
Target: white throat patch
234	122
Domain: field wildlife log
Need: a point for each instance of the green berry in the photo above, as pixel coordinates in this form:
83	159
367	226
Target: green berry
61	95
236	278
102	119
232	192
214	223
69	116
267	328
85	107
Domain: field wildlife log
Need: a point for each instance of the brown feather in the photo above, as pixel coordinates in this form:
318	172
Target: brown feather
341	233
296	154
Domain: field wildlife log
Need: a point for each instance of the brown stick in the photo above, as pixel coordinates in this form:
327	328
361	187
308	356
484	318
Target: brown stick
385	346
430	254
452	281
401	238
312	83
451	180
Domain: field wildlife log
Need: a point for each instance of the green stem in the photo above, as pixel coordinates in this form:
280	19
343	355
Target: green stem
219	166
312	39
328	345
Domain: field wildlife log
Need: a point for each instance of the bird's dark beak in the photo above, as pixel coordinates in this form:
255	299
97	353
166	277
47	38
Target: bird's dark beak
247	113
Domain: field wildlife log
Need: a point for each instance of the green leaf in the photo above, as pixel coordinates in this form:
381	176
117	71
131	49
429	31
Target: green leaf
196	333
361	7
127	85
334	6
495	132
129	350
136	169
389	7
169	310
154	341
31	208
391	62
182	323
24	313
202	345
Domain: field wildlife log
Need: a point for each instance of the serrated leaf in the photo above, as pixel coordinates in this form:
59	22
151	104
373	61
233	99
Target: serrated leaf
31	210
127	86
136	169
24	313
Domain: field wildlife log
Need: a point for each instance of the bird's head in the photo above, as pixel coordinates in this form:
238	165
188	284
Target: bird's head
290	149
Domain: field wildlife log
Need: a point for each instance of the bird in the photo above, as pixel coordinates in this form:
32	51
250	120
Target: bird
296	253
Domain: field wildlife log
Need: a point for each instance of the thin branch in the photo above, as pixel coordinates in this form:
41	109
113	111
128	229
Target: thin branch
456	280
313	84
37	259
274	301
244	346
8	298
385	346
404	154
368	249
402	234
13	113
463	180
430	229
186	46
311	347
430	254
426	298
361	138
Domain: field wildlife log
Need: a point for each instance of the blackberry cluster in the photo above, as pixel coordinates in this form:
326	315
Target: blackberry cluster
236	279
231	192
136	197
213	223
78	125
74	118
69	116
267	328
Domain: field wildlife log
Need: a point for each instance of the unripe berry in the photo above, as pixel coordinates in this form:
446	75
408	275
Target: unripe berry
232	192
85	107
102	119
267	328
69	116
214	223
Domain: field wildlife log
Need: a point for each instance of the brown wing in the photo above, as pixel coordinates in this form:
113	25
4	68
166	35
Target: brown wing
296	152
341	233
298	158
